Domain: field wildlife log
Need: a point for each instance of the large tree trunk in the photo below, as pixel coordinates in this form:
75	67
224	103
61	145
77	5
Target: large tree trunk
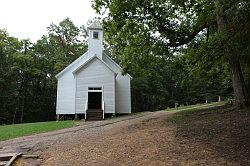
239	86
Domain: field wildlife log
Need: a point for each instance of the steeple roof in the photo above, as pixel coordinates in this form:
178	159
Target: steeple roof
95	24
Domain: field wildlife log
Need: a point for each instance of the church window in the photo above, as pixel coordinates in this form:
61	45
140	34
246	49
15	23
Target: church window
95	35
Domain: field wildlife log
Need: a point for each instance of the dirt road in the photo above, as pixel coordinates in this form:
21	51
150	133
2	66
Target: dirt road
143	139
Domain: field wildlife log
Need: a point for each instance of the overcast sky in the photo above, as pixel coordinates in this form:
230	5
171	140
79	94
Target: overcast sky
30	18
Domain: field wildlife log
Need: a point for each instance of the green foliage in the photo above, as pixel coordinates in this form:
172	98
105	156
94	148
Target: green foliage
27	71
174	48
186	111
18	130
65	42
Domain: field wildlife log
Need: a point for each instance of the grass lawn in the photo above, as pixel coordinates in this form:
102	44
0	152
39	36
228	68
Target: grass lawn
197	106
185	112
18	130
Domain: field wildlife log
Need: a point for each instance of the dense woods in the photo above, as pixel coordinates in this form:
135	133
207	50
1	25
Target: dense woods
183	52
27	71
209	39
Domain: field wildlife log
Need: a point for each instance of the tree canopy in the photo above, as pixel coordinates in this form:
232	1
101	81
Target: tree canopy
178	52
211	36
27	71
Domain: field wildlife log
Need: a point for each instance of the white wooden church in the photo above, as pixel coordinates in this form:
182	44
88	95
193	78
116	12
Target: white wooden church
93	84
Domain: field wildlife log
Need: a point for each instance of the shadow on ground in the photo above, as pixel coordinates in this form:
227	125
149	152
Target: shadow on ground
226	130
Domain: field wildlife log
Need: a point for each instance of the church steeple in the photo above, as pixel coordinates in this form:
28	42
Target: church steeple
95	40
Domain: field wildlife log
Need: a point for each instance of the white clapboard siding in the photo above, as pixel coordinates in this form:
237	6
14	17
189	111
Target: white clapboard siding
95	73
66	95
122	87
95	46
93	69
123	96
66	87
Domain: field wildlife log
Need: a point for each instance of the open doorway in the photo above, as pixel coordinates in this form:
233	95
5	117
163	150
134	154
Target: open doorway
95	98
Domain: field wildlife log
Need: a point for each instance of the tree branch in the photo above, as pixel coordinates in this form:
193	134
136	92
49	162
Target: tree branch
192	34
179	40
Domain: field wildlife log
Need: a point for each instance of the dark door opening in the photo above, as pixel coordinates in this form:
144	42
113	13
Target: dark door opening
94	100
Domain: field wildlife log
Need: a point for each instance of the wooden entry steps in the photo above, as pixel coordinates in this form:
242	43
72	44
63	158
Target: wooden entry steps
94	114
7	159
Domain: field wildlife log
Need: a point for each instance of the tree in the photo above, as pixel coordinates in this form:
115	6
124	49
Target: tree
27	71
9	46
176	23
227	29
66	43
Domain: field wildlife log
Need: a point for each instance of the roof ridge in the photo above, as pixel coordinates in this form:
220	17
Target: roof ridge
71	64
89	60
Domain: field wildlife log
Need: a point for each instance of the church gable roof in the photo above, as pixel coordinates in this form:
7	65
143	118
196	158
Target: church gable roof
75	63
109	60
95	51
86	58
91	59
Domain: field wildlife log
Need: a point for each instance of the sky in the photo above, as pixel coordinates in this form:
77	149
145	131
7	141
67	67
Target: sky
30	18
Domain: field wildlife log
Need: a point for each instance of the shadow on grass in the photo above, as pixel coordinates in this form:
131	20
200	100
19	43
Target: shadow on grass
225	129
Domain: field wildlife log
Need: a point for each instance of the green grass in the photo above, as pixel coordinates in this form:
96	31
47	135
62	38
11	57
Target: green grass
199	106
191	110
18	130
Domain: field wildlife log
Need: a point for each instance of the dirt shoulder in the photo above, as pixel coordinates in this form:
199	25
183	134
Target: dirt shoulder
144	139
226	131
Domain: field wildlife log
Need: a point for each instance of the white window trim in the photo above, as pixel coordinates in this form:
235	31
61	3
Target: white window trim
92	90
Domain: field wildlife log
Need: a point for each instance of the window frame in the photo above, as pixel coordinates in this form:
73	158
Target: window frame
95	35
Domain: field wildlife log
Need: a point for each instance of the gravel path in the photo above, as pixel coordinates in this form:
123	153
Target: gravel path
143	139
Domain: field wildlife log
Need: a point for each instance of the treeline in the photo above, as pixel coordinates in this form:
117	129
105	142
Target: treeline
165	82
28	83
27	71
181	51
179	57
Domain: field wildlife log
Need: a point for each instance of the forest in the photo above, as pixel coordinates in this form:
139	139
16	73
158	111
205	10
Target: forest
178	52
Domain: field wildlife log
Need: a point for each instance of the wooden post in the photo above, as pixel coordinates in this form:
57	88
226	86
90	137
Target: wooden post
176	106
76	117
57	117
219	99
